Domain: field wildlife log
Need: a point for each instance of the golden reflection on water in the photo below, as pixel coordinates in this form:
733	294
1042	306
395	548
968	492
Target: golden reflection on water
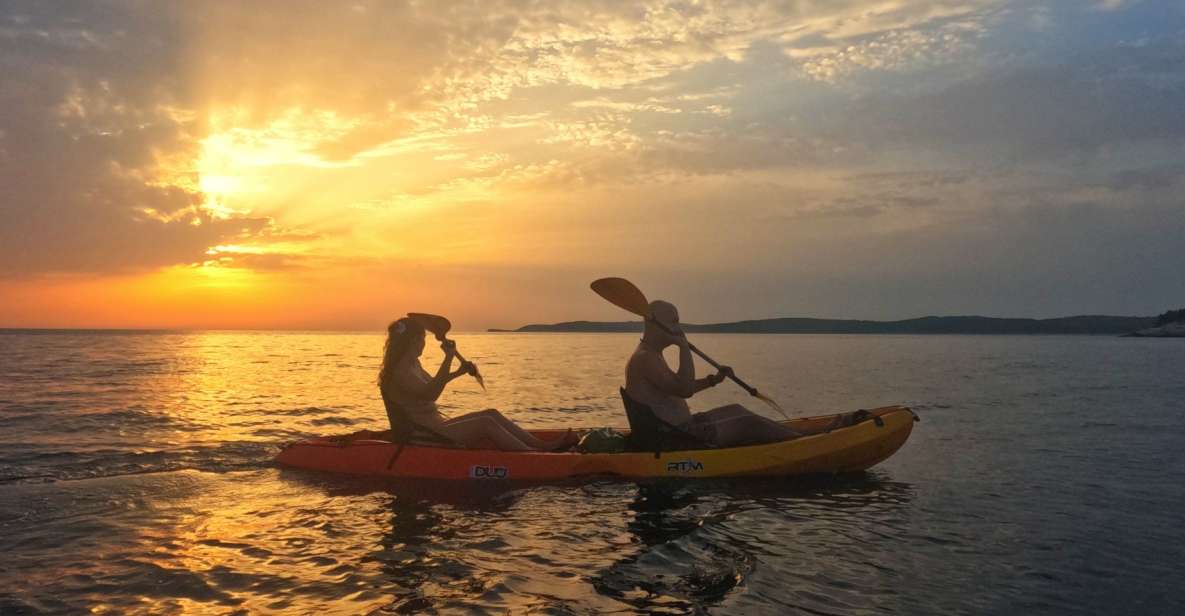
270	549
247	541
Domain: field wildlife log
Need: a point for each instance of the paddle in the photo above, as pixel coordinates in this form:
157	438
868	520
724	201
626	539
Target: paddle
439	326
623	294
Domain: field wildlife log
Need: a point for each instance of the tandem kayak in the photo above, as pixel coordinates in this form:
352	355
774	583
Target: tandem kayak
842	450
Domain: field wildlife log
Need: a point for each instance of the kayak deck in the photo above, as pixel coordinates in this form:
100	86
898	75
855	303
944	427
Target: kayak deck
848	449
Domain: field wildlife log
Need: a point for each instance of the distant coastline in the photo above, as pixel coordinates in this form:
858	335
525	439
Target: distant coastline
1168	330
1101	325
1085	324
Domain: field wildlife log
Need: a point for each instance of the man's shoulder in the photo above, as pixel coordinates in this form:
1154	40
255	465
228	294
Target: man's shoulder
647	364
643	355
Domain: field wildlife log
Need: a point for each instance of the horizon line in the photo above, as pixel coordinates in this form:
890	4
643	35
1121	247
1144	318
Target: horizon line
159	330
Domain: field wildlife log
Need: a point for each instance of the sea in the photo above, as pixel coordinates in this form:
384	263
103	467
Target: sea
1046	476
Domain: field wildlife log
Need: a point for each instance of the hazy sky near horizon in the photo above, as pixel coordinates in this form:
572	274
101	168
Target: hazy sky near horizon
331	165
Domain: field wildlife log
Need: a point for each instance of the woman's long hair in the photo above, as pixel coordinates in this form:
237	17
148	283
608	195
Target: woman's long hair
400	335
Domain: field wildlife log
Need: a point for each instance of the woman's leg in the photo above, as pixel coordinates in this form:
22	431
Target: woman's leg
474	428
736	425
530	439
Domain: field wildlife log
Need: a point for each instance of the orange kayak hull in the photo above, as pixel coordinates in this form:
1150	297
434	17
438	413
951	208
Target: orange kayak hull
851	449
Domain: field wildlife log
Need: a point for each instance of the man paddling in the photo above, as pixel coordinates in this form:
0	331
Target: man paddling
650	381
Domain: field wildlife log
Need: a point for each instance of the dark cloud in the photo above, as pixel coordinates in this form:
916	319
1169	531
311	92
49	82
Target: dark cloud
1039	254
749	148
1154	178
1081	107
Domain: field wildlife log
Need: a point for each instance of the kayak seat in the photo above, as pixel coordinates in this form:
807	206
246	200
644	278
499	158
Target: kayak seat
648	432
405	431
415	434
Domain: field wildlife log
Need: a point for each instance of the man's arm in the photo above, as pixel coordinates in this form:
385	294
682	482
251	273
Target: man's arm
682	384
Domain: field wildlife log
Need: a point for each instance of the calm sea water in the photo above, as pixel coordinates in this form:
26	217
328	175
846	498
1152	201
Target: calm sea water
1047	476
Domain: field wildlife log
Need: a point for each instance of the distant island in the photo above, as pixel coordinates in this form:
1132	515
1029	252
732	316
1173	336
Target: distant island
1086	324
1169	324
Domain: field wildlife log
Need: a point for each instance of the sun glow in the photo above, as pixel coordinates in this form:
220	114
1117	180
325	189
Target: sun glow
292	138
213	274
213	184
238	161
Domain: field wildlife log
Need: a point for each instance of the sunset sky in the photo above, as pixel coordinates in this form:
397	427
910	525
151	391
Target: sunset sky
332	165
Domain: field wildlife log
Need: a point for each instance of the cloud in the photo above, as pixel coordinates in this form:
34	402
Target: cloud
140	136
1039	112
897	49
90	119
1004	243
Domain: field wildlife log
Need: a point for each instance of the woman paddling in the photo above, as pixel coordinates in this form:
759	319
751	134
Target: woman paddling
409	390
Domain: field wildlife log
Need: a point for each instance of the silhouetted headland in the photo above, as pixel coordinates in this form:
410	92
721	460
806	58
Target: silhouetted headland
1086	324
1170	324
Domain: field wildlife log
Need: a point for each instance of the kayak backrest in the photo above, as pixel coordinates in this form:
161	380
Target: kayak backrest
405	431
648	432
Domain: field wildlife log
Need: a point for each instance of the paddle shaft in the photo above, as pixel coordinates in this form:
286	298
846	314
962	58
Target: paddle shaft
735	379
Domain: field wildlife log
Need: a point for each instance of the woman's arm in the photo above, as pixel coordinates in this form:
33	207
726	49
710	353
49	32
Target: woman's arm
434	387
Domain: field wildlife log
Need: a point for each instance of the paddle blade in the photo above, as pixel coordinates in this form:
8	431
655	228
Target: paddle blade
480	381
769	401
438	325
623	294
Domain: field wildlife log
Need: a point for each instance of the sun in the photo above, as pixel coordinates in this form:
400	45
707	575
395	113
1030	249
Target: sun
244	164
215	185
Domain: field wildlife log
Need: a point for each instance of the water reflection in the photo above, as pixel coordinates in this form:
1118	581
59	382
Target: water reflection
699	546
429	535
407	554
663	546
975	529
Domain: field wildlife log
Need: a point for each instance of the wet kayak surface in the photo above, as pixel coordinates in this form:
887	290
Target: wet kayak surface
135	476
